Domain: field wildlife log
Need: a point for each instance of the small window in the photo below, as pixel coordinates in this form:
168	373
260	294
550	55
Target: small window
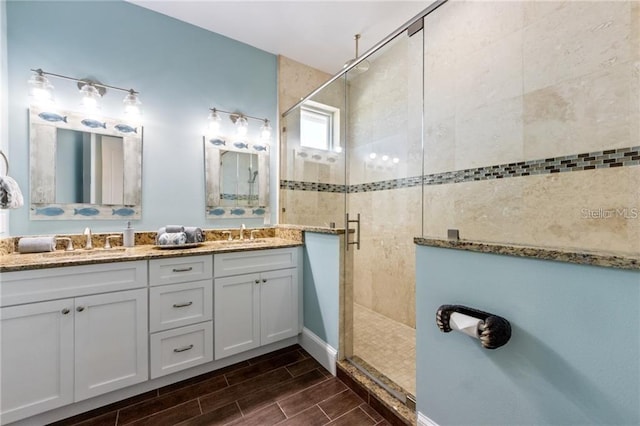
319	126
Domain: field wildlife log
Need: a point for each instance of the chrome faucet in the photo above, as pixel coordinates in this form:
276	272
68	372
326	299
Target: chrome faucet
242	228
89	245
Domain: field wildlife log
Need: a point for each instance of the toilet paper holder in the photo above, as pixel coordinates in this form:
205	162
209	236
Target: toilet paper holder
492	330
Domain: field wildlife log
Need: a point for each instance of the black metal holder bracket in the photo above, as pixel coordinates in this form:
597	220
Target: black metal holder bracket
493	330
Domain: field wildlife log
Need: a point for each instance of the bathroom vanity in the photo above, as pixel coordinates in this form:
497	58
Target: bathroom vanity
139	319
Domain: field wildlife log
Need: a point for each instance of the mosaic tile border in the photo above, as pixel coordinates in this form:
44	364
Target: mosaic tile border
295	185
621	157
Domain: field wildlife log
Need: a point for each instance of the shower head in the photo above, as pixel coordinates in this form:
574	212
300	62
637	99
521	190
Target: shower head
362	66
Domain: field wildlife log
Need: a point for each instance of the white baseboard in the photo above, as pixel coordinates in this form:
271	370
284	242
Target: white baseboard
425	421
320	350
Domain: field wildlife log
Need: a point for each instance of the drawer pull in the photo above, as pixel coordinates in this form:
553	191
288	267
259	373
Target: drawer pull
182	305
80	308
65	311
184	348
183	269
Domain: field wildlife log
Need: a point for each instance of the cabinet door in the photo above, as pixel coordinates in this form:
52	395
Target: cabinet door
36	358
111	350
236	313
278	305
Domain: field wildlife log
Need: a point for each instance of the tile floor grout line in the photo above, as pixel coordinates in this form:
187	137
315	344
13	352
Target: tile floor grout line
360	407
199	406
239	408
325	414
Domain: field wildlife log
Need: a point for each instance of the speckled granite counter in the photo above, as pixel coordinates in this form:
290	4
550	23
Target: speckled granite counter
315	229
278	236
20	262
610	260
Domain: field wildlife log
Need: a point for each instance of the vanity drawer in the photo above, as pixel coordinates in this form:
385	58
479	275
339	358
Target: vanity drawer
71	281
177	305
182	348
246	262
180	269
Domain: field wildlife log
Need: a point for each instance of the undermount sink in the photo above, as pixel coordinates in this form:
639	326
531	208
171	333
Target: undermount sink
82	252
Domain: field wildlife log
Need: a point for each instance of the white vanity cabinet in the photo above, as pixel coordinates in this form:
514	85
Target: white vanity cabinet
71	333
181	313
256	299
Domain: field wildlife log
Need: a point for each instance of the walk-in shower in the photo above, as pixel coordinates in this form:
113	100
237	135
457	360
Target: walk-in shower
368	165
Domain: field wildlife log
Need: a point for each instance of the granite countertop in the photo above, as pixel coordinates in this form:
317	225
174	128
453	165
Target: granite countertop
59	258
583	257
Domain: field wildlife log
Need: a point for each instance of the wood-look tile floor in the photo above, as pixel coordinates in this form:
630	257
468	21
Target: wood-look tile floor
286	387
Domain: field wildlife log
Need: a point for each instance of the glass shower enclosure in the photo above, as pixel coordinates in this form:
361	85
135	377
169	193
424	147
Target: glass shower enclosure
351	157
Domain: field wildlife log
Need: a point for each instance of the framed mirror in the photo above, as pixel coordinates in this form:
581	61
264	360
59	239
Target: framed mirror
236	179
83	167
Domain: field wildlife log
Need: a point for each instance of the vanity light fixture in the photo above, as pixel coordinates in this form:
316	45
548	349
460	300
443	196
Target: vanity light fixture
265	131
214	120
91	91
41	90
240	120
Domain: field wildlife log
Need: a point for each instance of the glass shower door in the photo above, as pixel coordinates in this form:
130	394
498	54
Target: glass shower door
383	181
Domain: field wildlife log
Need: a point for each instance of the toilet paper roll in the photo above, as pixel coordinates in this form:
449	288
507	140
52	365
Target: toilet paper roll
466	324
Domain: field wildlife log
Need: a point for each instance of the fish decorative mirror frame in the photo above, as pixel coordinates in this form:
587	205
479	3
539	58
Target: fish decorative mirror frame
84	167
236	178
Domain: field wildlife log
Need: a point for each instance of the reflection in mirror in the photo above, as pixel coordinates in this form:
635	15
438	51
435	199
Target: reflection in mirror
89	168
236	179
239	179
84	167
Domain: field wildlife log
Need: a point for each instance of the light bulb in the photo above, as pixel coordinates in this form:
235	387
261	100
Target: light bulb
372	155
385	157
242	126
41	89
90	97
265	130
396	160
132	104
214	122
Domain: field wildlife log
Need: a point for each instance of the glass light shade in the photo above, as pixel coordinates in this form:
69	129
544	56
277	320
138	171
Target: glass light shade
242	126
132	104
396	160
214	122
41	89
265	131
90	97
385	157
372	155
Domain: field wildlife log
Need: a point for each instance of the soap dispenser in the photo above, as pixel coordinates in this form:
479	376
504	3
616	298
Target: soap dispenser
128	236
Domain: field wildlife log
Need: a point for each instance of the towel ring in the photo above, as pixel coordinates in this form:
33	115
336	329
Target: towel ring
6	162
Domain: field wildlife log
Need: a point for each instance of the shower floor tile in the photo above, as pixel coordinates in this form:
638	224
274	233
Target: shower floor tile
389	346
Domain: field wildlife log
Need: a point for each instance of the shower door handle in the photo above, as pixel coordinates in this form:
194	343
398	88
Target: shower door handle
357	241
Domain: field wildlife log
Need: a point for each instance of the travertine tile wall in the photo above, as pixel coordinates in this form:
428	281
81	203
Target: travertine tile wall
384	117
301	207
507	82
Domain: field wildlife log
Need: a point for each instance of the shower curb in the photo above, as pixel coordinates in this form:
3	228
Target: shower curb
393	410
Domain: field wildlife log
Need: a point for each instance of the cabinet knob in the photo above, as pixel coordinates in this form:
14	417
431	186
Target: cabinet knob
65	311
80	308
257	281
264	280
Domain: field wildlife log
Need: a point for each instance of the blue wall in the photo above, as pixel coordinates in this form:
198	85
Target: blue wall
573	356
321	293
180	71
